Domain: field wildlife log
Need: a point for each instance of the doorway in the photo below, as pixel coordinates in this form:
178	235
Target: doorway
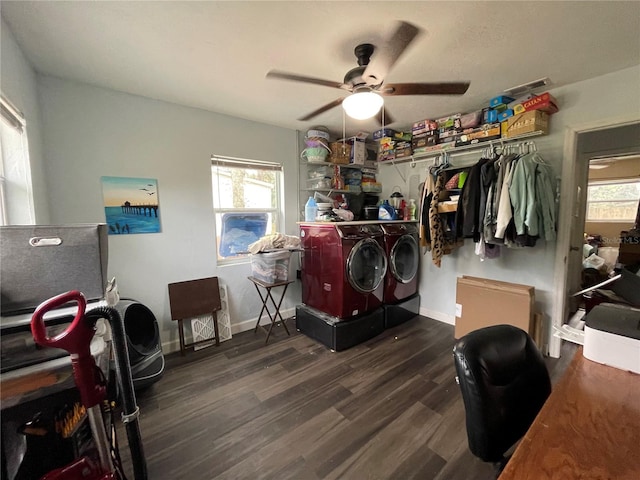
581	145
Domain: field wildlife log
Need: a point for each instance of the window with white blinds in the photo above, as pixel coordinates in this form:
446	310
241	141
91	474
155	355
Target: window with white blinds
246	203
16	195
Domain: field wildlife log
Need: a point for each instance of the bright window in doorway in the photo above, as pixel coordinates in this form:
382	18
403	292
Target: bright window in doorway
246	202
613	201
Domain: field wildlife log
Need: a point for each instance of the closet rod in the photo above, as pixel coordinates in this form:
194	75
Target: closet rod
433	158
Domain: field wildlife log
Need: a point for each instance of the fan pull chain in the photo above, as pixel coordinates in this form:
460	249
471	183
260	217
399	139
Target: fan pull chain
344	134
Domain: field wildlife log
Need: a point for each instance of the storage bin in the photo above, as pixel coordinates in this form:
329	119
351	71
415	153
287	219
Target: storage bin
38	262
271	267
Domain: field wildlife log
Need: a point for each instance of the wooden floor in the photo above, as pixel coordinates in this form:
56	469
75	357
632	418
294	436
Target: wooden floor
386	409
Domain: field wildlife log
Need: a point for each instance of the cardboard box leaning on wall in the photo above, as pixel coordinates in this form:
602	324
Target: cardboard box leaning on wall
481	302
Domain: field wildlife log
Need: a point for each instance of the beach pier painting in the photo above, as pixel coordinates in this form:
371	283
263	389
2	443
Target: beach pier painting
131	205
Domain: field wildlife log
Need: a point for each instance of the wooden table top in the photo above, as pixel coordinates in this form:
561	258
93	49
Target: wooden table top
589	428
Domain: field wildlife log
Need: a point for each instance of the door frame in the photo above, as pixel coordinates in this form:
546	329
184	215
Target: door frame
568	197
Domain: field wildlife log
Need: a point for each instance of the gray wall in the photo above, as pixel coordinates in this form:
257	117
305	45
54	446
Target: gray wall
19	85
91	132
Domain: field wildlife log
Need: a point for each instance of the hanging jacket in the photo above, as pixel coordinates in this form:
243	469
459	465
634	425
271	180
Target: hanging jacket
493	200
435	222
505	211
545	200
533	200
425	229
468	215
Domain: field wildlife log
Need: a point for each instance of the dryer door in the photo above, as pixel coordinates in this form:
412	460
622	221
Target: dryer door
404	259
366	265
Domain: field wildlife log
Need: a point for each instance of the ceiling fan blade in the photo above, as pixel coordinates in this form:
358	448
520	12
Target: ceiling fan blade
322	109
386	56
303	79
446	88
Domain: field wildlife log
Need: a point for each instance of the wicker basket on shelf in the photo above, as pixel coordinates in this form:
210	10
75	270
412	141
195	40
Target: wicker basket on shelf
340	152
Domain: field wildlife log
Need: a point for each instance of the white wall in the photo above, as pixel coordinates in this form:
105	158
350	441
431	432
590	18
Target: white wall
18	84
610	97
91	132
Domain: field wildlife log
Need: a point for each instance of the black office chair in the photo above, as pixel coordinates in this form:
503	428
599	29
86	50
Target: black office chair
504	383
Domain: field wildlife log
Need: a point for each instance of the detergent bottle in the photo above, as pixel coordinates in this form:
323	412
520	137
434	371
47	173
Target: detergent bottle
310	210
386	211
412	209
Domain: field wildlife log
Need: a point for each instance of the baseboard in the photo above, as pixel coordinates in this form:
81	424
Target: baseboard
441	317
250	324
174	345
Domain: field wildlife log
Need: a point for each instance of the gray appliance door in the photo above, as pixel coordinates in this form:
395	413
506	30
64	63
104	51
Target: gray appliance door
404	259
366	265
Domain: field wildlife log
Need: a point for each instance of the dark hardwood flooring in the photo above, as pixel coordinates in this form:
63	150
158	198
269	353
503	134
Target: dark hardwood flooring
386	409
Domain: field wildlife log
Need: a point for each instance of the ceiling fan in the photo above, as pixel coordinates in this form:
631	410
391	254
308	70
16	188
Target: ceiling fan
366	81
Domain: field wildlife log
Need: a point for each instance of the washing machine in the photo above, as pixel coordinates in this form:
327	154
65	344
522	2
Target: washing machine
401	299
343	268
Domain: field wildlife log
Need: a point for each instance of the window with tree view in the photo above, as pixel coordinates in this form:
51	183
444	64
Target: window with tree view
613	201
246	203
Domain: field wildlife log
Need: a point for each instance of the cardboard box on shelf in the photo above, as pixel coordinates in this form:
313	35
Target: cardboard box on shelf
424	139
451	138
500	100
424	126
386	156
471	119
386	144
527	122
481	302
486	132
490	131
452	122
403	149
544	102
502	116
402	136
383	132
358	153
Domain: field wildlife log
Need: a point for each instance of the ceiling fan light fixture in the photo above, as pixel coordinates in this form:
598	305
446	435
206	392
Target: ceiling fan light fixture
362	105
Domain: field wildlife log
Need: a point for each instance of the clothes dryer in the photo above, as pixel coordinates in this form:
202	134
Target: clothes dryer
343	268
403	258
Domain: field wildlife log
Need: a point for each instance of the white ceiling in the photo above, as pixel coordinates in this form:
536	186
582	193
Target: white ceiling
214	55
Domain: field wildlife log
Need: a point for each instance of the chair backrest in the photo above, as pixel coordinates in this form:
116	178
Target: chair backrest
504	383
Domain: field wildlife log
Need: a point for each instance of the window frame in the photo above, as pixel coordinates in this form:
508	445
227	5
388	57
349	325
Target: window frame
16	190
616	181
277	211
